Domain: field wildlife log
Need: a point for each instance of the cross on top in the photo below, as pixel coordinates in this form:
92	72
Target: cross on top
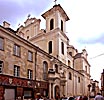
55	1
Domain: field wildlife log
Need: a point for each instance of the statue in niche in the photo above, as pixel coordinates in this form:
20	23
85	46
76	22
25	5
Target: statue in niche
62	73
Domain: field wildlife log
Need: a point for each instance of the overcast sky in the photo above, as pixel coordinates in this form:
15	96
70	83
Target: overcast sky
85	29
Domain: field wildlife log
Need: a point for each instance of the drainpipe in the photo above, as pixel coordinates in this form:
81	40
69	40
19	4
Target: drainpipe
35	64
73	77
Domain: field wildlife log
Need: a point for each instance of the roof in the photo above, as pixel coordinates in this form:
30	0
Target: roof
25	41
78	55
11	30
56	7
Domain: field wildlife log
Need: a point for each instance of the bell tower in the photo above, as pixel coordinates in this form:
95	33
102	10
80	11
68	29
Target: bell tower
57	40
55	18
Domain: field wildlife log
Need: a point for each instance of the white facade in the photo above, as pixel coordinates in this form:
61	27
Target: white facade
67	58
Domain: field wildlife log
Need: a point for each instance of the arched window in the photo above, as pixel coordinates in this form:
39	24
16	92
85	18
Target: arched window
62	48
56	68
86	68
70	53
61	25
78	79
69	63
50	47
45	70
70	76
27	33
51	24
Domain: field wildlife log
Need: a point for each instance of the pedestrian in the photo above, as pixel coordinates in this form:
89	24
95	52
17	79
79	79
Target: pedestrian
99	97
48	98
80	98
85	98
71	98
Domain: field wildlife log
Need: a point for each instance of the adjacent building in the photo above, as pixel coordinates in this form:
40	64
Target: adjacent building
94	88
34	60
102	82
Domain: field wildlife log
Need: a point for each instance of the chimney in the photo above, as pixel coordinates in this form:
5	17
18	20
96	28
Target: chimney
6	24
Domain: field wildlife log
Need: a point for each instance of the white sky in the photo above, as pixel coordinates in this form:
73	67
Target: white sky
85	29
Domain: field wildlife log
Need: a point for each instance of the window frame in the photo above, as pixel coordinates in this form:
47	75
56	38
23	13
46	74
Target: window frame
51	24
1	43
79	79
1	67
62	48
17	50
56	68
30	56
45	70
70	76
50	47
16	71
30	74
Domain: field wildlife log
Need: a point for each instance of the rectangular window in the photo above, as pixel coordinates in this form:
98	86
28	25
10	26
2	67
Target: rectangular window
30	74
16	50
30	56
1	67
16	71
1	43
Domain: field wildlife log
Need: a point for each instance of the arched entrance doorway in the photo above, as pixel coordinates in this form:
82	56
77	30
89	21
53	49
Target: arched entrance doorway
57	92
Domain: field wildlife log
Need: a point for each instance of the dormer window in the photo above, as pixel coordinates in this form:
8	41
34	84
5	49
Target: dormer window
51	24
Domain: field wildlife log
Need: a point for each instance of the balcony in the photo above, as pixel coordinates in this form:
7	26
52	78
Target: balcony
52	75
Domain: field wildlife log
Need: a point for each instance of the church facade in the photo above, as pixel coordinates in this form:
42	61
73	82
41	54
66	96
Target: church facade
34	60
